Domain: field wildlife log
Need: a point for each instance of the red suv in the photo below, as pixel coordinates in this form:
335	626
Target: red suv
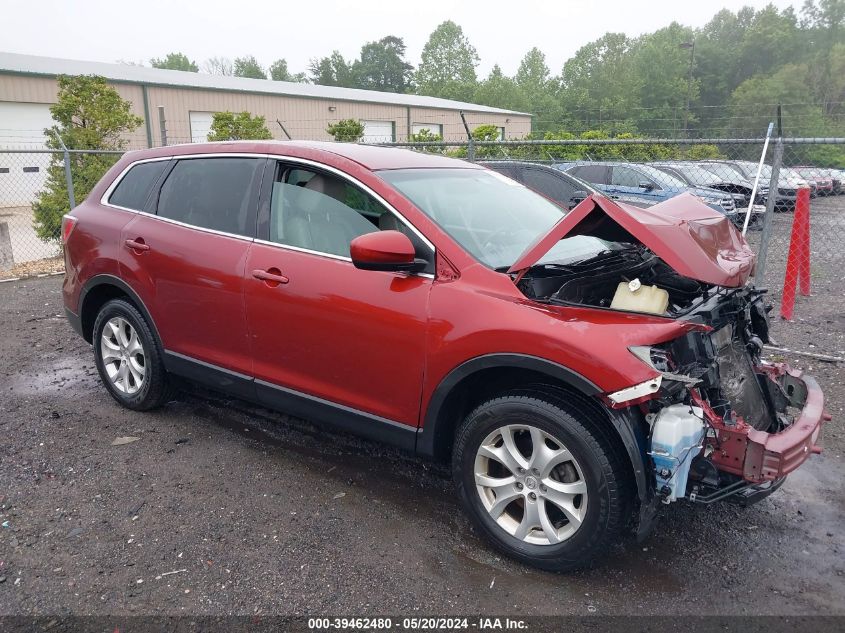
578	368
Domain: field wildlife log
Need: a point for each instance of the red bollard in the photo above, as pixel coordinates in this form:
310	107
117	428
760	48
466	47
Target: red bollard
798	259
804	241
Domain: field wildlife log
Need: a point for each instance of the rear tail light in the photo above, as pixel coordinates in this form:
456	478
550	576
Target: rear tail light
68	222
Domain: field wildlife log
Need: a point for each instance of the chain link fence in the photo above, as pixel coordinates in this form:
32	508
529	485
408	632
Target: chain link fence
790	192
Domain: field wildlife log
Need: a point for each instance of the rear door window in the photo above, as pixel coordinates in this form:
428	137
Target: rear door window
596	174
213	193
550	185
134	188
627	177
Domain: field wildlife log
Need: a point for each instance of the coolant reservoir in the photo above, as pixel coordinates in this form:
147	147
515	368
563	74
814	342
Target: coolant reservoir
676	437
633	296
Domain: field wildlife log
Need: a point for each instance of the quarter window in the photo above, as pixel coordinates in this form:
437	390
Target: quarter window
134	189
213	193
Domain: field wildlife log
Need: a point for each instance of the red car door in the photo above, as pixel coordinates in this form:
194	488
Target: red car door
187	262
325	333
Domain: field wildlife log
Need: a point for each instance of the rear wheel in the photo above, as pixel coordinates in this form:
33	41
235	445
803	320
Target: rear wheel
128	357
542	482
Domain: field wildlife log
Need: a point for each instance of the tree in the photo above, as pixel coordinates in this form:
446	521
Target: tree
599	85
448	64
228	126
332	71
500	91
89	114
175	61
248	67
534	80
346	130
383	67
279	72
218	66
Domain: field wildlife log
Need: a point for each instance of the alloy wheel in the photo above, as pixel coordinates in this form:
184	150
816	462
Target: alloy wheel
530	484
123	356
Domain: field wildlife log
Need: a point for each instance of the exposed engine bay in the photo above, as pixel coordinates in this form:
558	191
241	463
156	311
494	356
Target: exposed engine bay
710	420
596	281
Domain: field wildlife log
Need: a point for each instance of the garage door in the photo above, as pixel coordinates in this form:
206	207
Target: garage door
22	176
378	131
200	126
433	128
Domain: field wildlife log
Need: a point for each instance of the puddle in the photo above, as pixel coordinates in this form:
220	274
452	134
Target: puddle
55	377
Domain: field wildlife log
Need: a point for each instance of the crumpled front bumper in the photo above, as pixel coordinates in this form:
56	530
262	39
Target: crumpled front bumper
757	456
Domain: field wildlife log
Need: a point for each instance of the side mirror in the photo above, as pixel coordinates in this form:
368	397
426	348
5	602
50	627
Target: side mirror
578	197
390	251
648	186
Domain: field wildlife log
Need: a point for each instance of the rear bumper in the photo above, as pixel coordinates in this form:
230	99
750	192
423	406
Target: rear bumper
757	456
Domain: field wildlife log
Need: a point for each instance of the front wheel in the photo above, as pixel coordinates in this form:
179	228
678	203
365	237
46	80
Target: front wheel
128	357
543	484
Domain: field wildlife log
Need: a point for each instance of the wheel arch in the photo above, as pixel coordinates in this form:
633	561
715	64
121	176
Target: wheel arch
480	378
100	289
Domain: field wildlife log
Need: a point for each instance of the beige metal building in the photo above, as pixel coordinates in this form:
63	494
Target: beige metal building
28	87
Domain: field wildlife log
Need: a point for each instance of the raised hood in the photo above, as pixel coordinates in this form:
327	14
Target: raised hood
684	232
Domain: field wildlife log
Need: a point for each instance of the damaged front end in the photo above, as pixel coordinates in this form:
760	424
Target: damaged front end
718	422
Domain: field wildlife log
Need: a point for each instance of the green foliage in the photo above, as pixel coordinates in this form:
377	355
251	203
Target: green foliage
500	91
703	152
426	136
333	70
347	130
448	64
89	114
175	61
229	126
383	67
279	72
248	67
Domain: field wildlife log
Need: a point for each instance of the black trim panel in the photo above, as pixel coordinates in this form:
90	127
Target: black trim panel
231	382
427	435
345	418
292	402
75	321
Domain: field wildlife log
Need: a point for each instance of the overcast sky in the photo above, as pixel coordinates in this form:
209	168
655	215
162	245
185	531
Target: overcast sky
501	30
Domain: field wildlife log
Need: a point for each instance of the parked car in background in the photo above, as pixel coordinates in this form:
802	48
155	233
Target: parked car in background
787	190
696	175
560	187
635	181
578	369
822	177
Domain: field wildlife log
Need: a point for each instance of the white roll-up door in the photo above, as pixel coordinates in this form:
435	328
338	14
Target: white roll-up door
378	131
200	126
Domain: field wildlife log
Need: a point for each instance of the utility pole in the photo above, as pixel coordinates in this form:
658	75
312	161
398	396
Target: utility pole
691	46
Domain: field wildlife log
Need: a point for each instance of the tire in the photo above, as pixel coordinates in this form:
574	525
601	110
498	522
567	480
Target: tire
594	465
144	383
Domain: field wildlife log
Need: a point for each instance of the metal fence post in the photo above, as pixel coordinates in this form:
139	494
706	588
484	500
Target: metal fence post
68	174
162	125
470	140
765	239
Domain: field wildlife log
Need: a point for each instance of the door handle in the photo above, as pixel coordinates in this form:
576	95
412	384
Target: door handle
137	244
272	276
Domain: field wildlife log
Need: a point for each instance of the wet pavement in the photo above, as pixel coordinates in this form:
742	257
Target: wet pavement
224	508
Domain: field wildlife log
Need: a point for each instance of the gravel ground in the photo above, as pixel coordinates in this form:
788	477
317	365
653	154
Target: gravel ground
223	508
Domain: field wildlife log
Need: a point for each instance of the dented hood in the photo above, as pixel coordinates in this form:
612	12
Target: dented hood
683	231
